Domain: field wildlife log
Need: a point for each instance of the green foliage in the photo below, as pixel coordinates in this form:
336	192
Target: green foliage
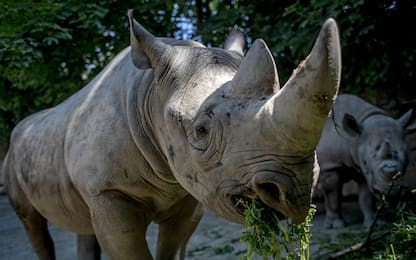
377	53
395	240
400	243
49	49
268	237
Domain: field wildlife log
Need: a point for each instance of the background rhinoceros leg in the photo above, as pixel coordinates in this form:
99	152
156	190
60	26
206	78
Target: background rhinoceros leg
175	232
332	187
88	247
366	202
120	225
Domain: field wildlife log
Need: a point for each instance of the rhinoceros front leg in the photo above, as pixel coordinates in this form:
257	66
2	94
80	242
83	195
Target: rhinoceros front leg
332	186
175	232
88	247
120	225
366	202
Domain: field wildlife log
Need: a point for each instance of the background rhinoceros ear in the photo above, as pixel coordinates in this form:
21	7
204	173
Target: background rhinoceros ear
257	74
236	41
408	121
351	126
146	49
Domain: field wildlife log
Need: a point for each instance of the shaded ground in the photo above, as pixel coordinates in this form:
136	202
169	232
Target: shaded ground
214	238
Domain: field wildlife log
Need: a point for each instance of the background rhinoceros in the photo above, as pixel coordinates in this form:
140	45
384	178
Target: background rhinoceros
166	127
364	143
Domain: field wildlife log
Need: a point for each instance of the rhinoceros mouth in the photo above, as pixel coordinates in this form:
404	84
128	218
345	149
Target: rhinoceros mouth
240	202
239	197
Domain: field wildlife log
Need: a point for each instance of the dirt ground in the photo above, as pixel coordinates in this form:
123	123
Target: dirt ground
214	238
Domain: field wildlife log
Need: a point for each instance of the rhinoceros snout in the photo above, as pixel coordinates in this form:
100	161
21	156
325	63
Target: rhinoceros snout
390	169
276	191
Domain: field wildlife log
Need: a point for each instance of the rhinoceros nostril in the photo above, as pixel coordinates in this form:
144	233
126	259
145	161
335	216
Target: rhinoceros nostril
270	190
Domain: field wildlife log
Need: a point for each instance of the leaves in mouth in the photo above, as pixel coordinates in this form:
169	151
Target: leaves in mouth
267	236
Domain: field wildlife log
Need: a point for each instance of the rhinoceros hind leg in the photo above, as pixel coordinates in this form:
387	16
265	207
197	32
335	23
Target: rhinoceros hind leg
88	247
175	232
36	227
35	224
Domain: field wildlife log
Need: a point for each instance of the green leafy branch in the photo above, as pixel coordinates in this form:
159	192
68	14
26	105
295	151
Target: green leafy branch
267	236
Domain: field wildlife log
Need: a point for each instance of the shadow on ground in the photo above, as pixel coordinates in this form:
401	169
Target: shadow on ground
214	239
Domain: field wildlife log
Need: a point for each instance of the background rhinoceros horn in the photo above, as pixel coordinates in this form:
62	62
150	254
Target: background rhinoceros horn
236	41
301	107
146	49
257	74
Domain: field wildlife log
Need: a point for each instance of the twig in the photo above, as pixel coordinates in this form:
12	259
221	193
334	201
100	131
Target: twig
355	247
368	239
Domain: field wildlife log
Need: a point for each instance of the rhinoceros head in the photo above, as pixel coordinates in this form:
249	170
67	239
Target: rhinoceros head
226	128
380	147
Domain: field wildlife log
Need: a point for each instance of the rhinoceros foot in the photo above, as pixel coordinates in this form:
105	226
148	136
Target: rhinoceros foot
334	222
368	222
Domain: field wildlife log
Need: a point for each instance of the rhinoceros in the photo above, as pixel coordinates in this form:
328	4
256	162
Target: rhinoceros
361	142
167	128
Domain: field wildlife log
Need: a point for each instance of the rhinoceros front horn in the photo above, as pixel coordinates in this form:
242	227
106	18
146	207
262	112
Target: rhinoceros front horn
301	107
146	50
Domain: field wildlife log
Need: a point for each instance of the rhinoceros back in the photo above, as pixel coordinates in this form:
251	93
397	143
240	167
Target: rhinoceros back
354	106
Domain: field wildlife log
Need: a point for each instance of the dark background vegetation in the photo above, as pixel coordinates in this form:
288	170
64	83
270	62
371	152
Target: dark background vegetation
50	49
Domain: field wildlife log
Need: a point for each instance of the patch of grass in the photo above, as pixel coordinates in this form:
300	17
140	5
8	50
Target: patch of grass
268	237
224	250
398	243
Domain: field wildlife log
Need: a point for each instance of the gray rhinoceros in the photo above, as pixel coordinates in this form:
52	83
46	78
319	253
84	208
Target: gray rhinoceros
166	128
364	143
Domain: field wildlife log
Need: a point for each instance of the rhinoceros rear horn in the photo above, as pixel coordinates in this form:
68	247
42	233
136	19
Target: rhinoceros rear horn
304	102
257	74
146	50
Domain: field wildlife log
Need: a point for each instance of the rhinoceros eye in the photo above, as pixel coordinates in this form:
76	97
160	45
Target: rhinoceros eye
200	135
201	131
206	141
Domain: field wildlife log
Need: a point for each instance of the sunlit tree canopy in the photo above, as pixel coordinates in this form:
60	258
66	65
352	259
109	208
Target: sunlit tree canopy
50	49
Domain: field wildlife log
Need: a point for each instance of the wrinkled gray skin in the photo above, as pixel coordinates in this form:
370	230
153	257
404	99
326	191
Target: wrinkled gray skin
166	128
360	142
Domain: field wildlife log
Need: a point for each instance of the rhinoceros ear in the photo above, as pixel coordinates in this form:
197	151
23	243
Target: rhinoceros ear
257	74
351	125
146	49
407	121
236	41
